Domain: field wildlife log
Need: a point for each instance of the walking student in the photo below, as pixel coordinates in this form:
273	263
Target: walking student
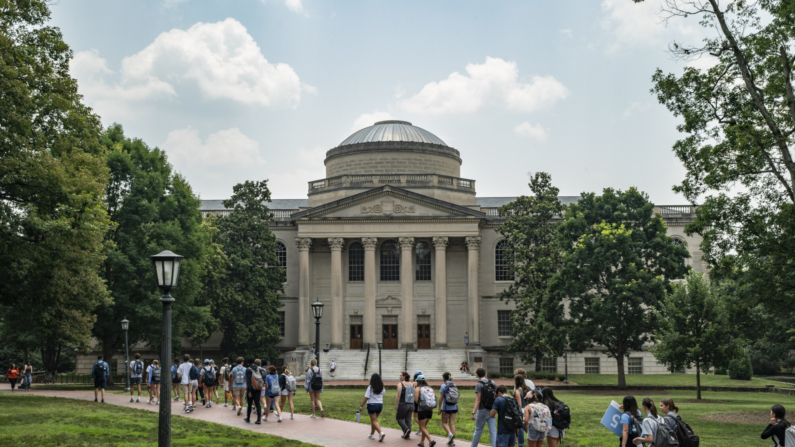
207	378
136	375
332	367
223	379
153	380
650	422
449	395
254	385
288	385
777	426
100	372
183	374
425	398
272	391
417	407
561	417
374	399
175	380
630	421
195	378
404	403
13	375
485	393
506	435
520	390
314	386
216	381
28	375
537	419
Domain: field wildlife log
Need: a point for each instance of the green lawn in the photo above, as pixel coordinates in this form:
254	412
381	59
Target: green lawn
48	421
670	380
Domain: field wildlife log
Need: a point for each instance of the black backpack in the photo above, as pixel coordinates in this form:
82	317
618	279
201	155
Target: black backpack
100	370
156	375
684	433
488	394
561	416
209	378
635	428
317	380
512	419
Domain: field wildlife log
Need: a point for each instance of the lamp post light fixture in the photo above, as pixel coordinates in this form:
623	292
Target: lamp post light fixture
317	312
125	325
166	265
380	344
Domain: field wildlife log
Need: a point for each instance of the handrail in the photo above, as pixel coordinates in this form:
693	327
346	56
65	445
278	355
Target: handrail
366	361
406	364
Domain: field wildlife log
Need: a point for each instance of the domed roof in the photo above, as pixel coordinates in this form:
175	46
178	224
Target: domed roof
392	130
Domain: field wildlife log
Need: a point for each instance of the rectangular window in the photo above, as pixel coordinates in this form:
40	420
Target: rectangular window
635	365
281	323
506	365
356	262
549	365
504	323
592	365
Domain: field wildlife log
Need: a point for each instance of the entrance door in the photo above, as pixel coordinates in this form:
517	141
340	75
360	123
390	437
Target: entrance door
356	336
423	336
390	336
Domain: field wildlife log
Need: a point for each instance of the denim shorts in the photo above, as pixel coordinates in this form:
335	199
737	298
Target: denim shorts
533	435
375	408
508	440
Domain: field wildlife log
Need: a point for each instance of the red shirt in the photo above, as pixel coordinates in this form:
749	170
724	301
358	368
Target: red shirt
13	373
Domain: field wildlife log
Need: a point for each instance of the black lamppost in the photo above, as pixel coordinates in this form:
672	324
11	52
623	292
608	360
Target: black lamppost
566	363
317	311
125	325
167	272
380	344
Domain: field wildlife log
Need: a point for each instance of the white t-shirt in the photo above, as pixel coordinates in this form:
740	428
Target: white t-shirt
133	375
649	426
333	365
184	369
373	398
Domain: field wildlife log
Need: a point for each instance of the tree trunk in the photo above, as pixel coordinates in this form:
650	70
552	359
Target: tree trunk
27	355
107	355
698	381
539	358
49	356
622	380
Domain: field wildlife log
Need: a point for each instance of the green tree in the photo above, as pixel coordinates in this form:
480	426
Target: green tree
52	180
248	302
692	331
153	210
739	131
530	230
617	265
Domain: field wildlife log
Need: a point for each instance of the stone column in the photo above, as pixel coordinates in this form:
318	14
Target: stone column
407	290
473	293
336	244
369	290
440	242
304	306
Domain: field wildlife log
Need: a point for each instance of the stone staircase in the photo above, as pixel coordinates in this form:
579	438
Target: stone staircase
432	362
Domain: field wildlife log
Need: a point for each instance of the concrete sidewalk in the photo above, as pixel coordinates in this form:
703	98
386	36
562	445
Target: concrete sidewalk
319	431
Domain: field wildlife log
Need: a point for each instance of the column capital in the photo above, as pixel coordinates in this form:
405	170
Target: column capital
473	242
336	243
406	243
369	243
440	242
303	243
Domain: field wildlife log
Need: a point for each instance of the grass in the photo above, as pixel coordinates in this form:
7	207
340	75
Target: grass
670	380
47	421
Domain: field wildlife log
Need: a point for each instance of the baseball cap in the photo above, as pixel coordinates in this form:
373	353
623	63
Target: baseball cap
417	372
206	360
420	377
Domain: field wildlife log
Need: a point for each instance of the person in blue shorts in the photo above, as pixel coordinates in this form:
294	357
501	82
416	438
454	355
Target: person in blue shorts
448	410
374	398
100	372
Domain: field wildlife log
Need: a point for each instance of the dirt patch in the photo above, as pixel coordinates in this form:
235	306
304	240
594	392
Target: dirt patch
746	417
635	393
702	401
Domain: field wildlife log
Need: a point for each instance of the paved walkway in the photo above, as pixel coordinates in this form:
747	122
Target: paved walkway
320	431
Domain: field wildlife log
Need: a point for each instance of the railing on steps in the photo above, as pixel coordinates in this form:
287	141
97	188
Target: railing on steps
406	363
366	361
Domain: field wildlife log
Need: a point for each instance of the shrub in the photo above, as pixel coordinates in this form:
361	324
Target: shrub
740	367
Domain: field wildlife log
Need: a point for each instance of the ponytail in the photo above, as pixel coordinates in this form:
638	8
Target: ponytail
648	403
668	402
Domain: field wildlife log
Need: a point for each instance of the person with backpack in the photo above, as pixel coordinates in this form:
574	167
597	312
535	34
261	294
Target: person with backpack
183	374
684	434
175	380
630	421
537	419
100	372
485	392
255	382
195	376
777	427
449	396
223	379
314	386
404	403
520	390
510	417
288	385
239	385
425	398
153	380
561	417
136	376
655	432
374	399
417	407
207	378
217	380
272	390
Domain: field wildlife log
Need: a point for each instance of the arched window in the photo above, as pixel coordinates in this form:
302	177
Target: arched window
678	240
501	271
356	262
281	254
390	261
422	269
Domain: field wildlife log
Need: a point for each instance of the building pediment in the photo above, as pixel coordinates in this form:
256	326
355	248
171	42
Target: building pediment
387	202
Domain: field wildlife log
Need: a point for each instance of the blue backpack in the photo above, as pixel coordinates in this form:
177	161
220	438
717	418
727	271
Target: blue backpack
194	373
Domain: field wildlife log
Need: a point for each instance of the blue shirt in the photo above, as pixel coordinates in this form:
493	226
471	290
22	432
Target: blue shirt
626	420
500	404
232	376
443	391
107	369
174	372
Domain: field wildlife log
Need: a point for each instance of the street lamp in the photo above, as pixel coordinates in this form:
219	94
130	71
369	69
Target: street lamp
566	363
317	311
166	265
125	325
380	344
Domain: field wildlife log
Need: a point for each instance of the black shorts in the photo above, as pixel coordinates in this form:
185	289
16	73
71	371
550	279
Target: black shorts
176	380
100	384
135	380
424	414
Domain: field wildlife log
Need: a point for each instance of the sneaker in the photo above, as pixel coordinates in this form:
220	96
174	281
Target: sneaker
258	423
291	417
406	433
149	402
266	418
279	419
433	443
95	399
131	398
103	401
226	405
210	404
239	411
138	400
247	420
187	410
381	438
176	399
371	437
419	433
450	439
322	413
420	445
311	416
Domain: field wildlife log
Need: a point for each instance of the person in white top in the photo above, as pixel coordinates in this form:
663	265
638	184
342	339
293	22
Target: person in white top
184	380
650	423
332	367
374	398
223	378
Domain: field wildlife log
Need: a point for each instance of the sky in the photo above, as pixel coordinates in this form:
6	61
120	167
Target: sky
261	89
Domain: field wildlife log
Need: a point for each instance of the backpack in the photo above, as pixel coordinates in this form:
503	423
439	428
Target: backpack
512	418
452	395
789	436
540	416
209	377
317	380
156	375
273	386
409	396
291	383
256	379
194	373
138	367
685	435
561	417
427	398
240	377
488	394
635	428
664	436
100	369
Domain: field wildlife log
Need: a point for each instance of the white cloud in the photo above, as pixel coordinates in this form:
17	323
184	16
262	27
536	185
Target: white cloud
496	80
567	32
529	130
368	119
641	24
225	159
